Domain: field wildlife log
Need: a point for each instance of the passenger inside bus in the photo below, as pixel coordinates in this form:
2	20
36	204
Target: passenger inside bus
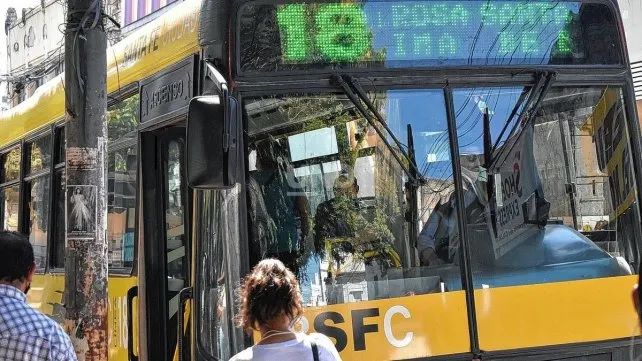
345	228
438	241
333	217
279	212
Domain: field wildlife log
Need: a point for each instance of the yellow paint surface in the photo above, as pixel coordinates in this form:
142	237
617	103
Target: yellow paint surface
556	313
145	52
509	318
46	294
437	323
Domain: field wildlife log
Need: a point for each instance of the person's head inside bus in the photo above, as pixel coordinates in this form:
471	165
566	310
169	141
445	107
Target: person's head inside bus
270	304
346	186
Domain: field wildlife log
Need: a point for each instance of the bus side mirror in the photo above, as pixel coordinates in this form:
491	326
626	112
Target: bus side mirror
212	142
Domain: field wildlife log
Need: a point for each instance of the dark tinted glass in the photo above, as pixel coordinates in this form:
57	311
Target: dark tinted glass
59	220
60	146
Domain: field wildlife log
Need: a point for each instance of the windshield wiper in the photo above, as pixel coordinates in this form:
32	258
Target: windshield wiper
540	89
358	97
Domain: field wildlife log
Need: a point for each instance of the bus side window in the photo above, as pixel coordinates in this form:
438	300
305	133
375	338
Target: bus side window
9	188
122	167
36	186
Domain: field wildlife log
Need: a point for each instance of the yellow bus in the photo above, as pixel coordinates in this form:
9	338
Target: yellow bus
452	179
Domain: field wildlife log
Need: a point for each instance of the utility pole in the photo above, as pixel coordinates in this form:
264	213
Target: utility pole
86	196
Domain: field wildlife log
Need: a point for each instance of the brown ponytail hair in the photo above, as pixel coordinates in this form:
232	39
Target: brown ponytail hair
271	290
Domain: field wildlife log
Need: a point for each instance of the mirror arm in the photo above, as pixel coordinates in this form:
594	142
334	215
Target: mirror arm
218	78
221	85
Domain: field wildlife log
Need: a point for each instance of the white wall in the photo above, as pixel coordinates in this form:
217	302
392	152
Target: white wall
4	5
38	39
632	17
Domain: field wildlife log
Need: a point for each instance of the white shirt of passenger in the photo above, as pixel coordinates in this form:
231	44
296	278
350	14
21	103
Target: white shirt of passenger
299	349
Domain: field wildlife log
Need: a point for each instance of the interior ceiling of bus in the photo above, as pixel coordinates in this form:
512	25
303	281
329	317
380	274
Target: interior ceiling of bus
276	115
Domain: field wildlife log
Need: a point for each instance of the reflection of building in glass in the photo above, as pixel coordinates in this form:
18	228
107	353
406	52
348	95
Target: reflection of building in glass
121	207
559	129
349	285
312	284
590	186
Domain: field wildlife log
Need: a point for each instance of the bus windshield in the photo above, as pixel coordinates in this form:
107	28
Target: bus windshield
545	201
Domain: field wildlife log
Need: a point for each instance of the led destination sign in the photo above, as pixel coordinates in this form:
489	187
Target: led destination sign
423	33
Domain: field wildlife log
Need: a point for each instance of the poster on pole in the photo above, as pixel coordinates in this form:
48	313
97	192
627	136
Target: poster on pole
81	211
82	159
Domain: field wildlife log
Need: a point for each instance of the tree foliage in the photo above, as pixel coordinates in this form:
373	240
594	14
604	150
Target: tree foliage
122	118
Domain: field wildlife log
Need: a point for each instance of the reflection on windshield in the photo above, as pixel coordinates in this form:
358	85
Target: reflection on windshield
541	210
327	197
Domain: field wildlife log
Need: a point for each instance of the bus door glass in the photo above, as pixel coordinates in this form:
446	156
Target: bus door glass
176	246
328	195
167	255
551	212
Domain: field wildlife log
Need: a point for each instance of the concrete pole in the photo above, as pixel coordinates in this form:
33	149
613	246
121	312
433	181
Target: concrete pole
86	195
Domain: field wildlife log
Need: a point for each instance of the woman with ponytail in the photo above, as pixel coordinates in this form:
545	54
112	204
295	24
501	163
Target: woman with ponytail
270	303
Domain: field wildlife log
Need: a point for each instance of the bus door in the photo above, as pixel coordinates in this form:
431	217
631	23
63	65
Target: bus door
167	246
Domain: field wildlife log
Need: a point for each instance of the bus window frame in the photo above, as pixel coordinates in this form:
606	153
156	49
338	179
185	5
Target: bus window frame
28	178
633	125
323	72
24	178
18	181
56	167
566	77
